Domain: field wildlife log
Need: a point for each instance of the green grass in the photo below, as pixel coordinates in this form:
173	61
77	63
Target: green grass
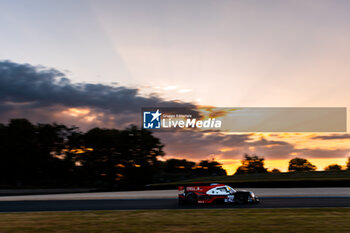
214	220
325	176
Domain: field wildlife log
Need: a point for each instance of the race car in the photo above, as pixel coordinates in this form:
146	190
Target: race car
214	193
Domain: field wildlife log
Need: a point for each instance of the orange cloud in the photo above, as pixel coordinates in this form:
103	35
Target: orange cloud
225	149
76	112
214	112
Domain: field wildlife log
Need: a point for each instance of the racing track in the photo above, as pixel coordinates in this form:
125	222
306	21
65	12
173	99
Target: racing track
118	204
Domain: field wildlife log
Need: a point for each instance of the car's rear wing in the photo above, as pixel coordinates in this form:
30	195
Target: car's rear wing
181	190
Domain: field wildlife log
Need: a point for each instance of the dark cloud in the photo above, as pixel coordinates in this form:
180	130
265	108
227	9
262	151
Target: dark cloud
268	149
194	144
23	86
197	145
264	142
332	137
323	153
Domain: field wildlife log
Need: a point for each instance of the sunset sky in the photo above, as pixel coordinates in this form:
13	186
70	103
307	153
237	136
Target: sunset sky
96	63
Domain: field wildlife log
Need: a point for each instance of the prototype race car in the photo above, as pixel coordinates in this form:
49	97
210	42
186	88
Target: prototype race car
214	193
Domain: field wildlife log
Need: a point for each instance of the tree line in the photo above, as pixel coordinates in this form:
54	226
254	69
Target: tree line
255	164
57	155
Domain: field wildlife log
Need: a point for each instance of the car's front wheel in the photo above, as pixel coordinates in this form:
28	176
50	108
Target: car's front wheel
241	201
191	198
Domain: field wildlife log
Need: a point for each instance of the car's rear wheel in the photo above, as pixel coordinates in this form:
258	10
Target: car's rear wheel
191	198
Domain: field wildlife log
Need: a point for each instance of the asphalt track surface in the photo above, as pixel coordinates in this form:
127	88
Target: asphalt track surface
138	204
172	194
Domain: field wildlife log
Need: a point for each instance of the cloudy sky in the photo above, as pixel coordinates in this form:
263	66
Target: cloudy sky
96	63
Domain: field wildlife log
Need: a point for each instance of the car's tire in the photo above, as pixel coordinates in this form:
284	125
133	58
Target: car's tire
191	199
240	199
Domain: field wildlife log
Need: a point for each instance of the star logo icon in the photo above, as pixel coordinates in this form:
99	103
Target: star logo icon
156	115
151	119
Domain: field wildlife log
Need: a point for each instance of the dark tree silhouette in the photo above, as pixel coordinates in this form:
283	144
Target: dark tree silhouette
210	168
300	164
333	167
29	154
348	164
117	157
275	170
178	166
176	169
251	164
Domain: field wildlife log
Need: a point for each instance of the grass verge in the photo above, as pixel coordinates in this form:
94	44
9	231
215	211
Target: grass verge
215	220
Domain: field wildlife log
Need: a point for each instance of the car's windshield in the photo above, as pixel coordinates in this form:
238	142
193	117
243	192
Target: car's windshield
231	190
